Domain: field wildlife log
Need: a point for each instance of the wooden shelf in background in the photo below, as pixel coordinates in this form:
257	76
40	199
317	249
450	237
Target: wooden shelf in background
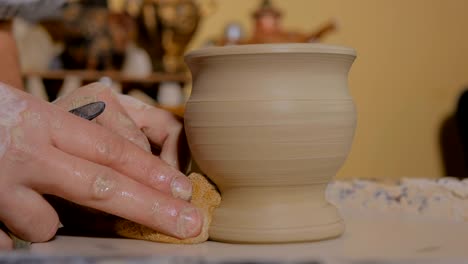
91	75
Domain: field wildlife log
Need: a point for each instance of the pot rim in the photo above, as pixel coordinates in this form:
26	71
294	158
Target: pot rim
271	49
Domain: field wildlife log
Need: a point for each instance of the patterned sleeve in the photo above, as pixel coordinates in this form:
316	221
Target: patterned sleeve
29	9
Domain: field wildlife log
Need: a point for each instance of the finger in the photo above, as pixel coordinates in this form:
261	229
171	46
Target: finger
89	141
113	118
27	214
161	127
99	187
6	243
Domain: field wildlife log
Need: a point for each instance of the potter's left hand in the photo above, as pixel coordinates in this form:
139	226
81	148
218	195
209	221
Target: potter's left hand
161	128
134	120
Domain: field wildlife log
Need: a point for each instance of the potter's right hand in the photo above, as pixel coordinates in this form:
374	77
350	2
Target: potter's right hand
46	150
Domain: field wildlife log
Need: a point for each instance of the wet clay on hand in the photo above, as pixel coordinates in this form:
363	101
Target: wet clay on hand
86	221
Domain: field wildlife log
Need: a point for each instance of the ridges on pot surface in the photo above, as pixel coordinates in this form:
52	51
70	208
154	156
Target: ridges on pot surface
264	115
271	125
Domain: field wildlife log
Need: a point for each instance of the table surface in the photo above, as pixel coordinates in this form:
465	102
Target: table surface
382	238
371	235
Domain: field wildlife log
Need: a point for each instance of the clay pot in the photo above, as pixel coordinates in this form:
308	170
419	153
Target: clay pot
271	125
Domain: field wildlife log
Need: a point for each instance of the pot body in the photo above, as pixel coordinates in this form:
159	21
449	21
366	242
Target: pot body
271	125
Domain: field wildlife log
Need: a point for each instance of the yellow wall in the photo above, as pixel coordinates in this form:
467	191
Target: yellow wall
412	64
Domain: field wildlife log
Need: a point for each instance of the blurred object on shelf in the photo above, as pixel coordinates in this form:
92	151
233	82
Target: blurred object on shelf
61	82
166	27
136	44
35	86
31	10
137	62
170	94
94	37
268	29
149	33
70	84
233	34
35	47
100	35
92	75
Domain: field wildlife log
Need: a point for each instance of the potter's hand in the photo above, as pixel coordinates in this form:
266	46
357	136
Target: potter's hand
135	121
46	150
114	118
161	128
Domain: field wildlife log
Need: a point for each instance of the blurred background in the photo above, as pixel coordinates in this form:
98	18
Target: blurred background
407	82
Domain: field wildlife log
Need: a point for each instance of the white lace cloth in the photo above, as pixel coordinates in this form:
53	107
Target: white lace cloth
445	198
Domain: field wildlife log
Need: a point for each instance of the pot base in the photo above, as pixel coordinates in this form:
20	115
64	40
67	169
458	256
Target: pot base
275	215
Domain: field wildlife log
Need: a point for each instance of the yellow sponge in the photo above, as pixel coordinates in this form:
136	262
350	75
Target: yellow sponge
204	196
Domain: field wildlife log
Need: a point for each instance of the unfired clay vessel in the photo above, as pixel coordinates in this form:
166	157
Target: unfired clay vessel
271	125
